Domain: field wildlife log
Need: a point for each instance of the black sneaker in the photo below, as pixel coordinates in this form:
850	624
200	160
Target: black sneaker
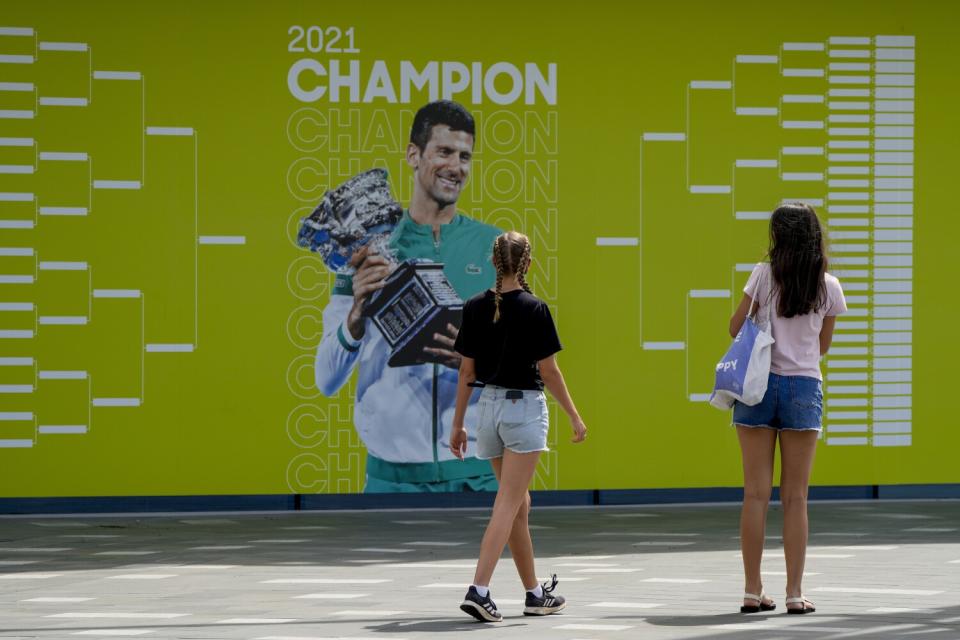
547	603
481	607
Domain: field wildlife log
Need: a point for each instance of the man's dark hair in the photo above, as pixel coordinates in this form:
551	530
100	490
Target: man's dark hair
447	112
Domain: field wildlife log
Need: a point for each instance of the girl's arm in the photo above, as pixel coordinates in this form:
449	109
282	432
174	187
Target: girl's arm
740	315
553	380
458	436
826	333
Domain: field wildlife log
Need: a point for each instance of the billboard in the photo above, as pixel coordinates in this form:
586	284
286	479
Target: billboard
162	331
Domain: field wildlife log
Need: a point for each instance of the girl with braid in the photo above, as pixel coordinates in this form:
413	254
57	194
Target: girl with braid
803	302
509	344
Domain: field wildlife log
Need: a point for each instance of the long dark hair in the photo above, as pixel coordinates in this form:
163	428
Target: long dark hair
798	259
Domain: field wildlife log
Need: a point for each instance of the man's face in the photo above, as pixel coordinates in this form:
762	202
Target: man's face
442	168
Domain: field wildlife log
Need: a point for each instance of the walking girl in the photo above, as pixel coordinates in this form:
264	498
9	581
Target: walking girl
803	301
509	343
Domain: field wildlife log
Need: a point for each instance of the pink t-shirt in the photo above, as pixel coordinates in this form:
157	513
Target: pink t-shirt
796	351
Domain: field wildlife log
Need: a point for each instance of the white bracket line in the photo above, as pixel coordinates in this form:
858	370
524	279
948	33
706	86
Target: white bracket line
16	416
752	59
17	334
16	251
62	429
62	320
16	444
64	156
63	46
711	188
222	240
117	75
664	346
16	59
169	131
116	402
664	137
50	101
50	265
62	375
804	46
755	164
618	242
116	184
154	347
16	31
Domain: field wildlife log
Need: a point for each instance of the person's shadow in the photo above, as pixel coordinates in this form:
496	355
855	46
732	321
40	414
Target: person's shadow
428	625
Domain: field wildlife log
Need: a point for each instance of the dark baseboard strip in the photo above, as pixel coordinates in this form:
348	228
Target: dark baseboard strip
146	504
324	502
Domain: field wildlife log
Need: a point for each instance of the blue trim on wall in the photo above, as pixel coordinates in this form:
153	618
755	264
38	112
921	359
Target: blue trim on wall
323	502
918	491
146	504
668	496
326	502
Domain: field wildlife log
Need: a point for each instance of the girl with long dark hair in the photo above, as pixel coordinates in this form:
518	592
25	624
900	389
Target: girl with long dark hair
803	301
509	343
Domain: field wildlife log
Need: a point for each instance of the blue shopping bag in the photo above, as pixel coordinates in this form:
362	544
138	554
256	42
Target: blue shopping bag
743	371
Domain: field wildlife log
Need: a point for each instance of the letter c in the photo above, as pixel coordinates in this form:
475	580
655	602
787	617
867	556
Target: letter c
293	80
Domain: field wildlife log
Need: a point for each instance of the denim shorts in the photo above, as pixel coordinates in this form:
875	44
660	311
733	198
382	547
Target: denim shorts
792	403
519	425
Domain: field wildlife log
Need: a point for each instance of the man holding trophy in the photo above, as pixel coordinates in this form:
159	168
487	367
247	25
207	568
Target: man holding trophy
402	276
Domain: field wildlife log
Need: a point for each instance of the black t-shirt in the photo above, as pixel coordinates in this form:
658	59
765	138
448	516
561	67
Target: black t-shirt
507	352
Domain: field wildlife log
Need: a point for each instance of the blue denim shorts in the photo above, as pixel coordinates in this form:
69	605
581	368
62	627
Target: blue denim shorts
791	403
519	425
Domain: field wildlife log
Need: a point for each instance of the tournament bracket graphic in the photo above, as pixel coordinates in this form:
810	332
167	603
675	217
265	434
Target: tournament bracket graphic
830	123
83	320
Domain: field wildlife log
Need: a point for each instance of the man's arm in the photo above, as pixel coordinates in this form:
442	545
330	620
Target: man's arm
338	351
371	274
344	327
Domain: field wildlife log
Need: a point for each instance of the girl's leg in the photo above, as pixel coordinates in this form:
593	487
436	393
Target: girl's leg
520	543
796	459
757	445
516	471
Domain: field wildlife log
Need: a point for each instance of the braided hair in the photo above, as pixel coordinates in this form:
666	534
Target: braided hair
498	263
511	256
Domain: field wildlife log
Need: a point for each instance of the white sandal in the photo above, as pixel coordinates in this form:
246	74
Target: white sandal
760	606
801	601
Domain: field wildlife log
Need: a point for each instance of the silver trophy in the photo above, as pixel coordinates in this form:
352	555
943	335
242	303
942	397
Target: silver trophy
417	300
360	212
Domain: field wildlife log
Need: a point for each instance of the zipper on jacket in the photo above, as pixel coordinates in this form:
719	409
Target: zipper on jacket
436	372
436	420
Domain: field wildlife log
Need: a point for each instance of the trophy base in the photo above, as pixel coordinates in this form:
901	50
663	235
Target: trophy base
412	353
416	302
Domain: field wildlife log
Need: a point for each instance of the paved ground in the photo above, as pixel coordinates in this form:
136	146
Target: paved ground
876	570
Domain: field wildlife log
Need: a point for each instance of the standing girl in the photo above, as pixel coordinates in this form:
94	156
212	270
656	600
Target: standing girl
804	301
509	343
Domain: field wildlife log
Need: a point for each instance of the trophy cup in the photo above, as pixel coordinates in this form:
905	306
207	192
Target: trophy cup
360	212
417	300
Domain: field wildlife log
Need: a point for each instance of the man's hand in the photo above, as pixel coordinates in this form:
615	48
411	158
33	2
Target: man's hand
443	351
458	442
372	270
